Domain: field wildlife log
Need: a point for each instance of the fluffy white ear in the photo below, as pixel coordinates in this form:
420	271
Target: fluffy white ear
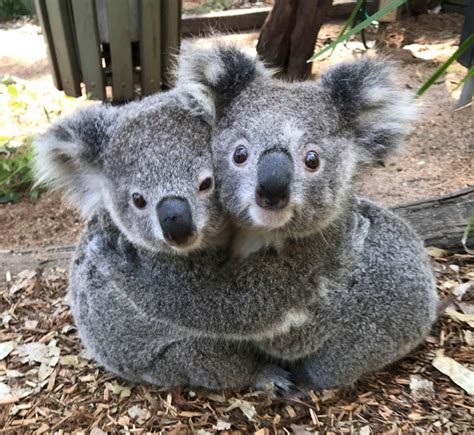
370	104
222	69
68	156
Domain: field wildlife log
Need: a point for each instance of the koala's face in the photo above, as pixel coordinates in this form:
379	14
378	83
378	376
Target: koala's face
282	161
148	163
159	182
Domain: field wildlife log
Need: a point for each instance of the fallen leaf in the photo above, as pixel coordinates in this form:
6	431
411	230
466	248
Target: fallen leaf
139	414
223	425
467	318
459	374
32	352
469	337
31	324
96	431
69	360
5	348
246	407
462	289
118	389
23	280
421	389
365	430
433	251
5	392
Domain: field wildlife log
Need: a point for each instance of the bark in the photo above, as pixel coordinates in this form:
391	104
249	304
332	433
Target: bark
288	37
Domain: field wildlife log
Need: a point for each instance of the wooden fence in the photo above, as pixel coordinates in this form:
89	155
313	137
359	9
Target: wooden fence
118	49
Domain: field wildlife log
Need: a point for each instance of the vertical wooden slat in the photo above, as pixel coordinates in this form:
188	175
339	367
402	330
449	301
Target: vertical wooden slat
64	46
42	14
120	49
170	36
87	36
150	45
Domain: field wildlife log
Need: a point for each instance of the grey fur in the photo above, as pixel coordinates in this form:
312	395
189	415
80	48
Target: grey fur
341	288
379	300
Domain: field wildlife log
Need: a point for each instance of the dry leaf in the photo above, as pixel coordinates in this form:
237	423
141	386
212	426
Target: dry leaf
246	407
32	352
223	425
467	318
5	348
459	374
433	251
96	431
462	289
365	430
421	389
115	388
5	392
469	337
139	414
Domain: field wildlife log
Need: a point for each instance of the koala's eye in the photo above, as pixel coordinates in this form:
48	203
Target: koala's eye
311	160
138	200
206	184
240	154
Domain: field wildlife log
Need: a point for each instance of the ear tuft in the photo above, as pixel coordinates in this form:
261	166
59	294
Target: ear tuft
369	102
68	156
224	69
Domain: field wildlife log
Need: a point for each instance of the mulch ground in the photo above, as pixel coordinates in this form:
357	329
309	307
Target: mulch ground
48	385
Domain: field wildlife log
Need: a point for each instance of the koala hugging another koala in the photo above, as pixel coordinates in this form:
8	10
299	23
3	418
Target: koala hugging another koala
224	244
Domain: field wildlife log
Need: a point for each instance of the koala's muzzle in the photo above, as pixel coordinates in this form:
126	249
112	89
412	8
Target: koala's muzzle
274	176
176	221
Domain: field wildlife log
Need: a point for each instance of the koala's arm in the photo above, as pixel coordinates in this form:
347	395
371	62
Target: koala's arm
258	297
122	338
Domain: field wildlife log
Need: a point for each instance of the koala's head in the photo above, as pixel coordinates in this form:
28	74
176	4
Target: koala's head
285	153
148	164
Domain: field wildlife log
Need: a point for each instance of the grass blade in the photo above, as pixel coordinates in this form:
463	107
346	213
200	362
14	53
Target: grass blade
442	69
467	231
366	23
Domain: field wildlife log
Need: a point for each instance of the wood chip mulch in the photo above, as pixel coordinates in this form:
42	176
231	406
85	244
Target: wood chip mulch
48	385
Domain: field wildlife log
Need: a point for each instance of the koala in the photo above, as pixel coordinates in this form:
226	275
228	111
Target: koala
285	155
152	293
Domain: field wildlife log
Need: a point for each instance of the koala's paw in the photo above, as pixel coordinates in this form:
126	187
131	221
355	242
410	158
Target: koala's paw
273	377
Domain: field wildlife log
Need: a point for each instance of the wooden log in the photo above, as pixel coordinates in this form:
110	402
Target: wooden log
439	222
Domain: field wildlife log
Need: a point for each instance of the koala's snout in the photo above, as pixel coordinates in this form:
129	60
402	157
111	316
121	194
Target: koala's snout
176	221
274	176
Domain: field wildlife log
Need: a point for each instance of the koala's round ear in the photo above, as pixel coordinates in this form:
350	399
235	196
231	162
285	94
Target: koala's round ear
224	70
370	105
68	155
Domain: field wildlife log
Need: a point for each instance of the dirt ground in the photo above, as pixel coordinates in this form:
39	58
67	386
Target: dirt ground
437	159
49	385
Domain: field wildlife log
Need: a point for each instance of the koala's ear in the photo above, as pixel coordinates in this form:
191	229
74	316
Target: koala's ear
223	70
68	156
371	105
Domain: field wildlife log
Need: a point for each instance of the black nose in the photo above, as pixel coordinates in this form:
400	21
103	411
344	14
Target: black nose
176	220
274	175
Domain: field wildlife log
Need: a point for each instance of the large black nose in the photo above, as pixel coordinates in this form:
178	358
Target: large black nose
176	220
274	175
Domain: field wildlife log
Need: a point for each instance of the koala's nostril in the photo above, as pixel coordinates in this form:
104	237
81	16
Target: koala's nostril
275	173
176	220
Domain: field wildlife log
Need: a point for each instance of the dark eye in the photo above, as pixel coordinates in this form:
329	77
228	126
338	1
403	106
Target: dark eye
205	185
312	160
240	154
138	200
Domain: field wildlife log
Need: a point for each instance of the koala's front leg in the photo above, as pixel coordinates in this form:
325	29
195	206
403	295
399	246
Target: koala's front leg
122	338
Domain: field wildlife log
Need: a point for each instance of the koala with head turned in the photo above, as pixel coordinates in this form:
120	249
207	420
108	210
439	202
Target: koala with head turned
285	155
151	292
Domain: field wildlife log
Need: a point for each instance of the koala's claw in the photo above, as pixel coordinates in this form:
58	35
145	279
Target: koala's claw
274	378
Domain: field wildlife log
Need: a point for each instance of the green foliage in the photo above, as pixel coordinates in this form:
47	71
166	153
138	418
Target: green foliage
11	9
16	173
442	69
467	231
356	29
212	6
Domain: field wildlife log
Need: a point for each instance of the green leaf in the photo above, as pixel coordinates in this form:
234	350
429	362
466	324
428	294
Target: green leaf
12	90
442	69
350	20
366	23
469	74
467	231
